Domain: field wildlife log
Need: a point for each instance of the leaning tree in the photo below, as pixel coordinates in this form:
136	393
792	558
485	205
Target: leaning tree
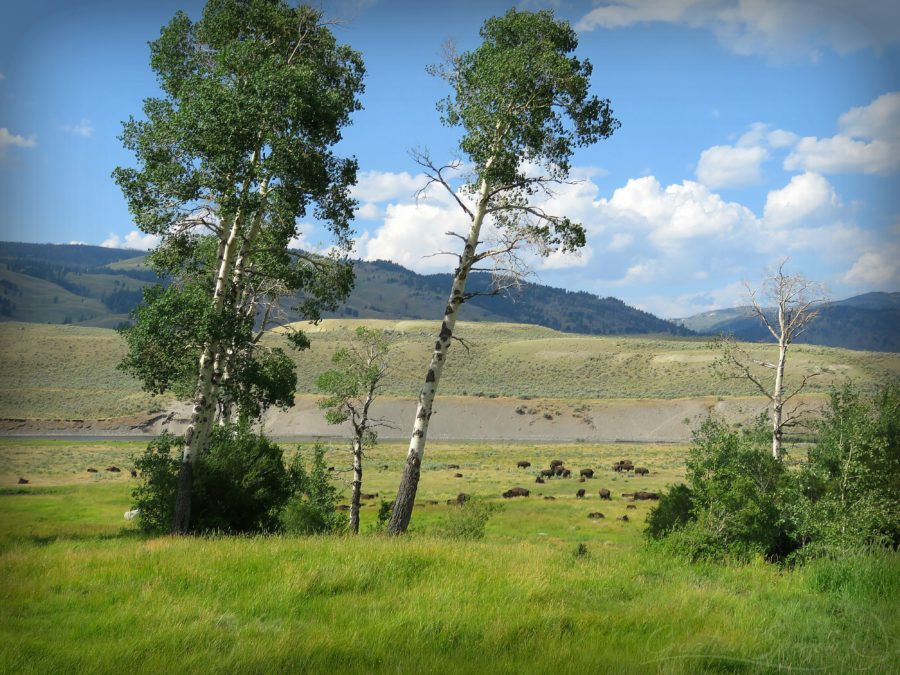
235	151
523	103
785	304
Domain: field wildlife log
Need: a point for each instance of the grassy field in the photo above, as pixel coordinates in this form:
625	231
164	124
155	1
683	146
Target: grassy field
82	591
51	372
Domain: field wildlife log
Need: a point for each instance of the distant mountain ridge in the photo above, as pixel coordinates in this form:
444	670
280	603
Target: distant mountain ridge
870	321
95	286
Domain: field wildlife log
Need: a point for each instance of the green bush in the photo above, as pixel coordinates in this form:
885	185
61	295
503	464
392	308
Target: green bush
850	486
313	507
674	510
468	520
240	483
154	496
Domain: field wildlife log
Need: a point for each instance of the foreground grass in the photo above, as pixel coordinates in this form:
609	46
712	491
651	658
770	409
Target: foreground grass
82	591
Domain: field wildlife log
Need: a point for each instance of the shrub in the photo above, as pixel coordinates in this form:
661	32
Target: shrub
313	508
733	503
850	486
675	509
240	483
154	496
468	520
243	484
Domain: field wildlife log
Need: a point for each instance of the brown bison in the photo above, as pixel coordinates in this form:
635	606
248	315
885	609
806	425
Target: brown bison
630	506
546	473
538	480
644	495
624	518
555	463
587	473
523	464
134	473
623	465
457	475
91	470
23	481
580	493
566	473
605	494
641	471
596	514
516	492
462	498
113	469
582	479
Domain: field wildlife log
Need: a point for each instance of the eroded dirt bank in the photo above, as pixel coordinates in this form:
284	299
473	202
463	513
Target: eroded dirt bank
462	418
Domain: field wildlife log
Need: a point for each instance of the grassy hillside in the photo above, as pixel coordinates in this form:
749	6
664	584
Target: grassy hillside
83	592
110	282
69	371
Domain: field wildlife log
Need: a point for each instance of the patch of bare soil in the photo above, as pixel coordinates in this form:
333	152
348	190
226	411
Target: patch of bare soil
455	418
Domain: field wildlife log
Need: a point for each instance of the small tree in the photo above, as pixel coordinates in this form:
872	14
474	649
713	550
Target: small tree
786	304
522	100
351	388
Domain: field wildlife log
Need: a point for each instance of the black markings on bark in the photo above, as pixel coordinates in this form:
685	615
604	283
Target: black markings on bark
446	333
438	346
430	376
418	433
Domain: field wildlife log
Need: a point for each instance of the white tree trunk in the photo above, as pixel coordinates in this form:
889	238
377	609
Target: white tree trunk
778	401
356	486
406	493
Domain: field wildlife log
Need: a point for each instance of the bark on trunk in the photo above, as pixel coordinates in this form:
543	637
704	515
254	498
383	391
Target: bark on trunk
409	483
196	437
356	486
778	402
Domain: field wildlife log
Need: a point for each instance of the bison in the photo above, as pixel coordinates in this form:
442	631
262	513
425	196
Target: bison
582	479
462	498
641	471
555	463
516	492
596	514
587	473
566	473
630	506
605	494
623	465
644	495
539	480
113	469
547	473
453	466
623	518
91	470
457	475
23	481
134	473
523	464
580	493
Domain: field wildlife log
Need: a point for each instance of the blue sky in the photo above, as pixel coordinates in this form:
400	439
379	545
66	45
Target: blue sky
750	131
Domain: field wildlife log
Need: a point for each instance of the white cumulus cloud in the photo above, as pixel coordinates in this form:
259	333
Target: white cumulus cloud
728	166
8	138
134	240
876	269
779	29
805	197
868	142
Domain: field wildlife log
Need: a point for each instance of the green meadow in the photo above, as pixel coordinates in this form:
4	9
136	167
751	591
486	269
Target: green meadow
546	590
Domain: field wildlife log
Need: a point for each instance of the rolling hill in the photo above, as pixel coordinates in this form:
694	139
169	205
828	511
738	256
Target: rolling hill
94	286
870	322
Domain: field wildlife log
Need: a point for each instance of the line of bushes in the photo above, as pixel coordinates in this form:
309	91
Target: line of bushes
841	496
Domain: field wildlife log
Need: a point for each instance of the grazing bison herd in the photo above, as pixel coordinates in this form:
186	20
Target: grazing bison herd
558	469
